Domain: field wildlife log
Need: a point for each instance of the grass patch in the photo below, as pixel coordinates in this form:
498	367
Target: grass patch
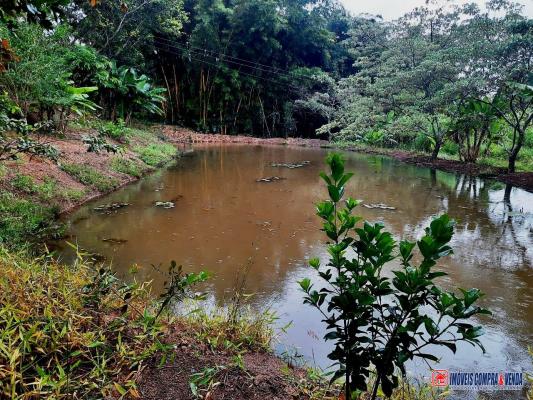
69	333
156	154
128	167
24	183
23	222
46	191
72	194
219	328
91	177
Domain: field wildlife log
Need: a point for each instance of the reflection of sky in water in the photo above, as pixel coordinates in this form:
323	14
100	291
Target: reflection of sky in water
225	218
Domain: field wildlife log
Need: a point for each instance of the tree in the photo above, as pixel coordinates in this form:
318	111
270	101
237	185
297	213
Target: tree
476	124
499	65
419	69
125	30
514	104
377	322
39	80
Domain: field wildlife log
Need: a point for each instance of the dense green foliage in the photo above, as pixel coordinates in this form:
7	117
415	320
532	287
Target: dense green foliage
448	78
456	74
378	323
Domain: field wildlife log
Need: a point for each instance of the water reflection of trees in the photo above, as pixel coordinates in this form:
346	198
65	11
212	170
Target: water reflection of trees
224	215
488	220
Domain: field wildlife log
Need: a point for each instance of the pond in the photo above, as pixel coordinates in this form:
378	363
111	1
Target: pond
224	219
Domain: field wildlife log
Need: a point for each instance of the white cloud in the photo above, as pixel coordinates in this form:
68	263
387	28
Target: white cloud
391	9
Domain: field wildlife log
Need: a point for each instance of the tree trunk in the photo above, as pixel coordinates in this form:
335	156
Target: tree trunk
512	162
436	150
513	155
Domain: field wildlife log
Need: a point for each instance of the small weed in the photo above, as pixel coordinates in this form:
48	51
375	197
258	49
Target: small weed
156	154
91	177
205	380
24	183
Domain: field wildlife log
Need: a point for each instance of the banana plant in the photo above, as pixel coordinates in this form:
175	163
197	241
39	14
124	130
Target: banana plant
129	91
80	101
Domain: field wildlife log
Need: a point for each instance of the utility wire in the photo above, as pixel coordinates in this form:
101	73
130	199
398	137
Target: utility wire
221	55
188	52
178	53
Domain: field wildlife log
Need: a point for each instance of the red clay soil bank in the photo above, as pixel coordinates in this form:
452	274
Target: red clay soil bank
265	377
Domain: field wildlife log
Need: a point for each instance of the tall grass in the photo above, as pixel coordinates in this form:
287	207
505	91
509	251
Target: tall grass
70	332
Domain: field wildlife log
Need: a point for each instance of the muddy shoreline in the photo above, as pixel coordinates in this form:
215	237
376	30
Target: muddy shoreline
523	180
73	150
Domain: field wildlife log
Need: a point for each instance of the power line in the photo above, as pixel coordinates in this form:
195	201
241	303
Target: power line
221	55
176	53
218	59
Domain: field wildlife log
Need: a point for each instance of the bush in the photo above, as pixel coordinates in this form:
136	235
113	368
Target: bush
76	331
450	148
156	155
91	177
70	332
115	130
378	322
422	143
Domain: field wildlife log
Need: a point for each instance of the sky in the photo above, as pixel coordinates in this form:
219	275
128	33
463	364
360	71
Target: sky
391	9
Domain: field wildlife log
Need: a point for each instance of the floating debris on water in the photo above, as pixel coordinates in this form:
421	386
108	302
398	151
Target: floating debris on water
270	179
291	165
115	241
381	206
164	204
110	207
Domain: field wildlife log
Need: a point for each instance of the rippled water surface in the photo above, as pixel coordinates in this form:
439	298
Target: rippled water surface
224	219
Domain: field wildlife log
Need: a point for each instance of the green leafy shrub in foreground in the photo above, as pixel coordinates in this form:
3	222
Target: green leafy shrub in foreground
377	322
91	177
76	331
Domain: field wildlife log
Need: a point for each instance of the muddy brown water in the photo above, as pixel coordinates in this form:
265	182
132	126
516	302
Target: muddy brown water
223	219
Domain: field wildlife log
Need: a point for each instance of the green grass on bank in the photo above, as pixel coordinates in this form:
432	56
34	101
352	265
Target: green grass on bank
89	176
24	222
496	158
128	166
47	191
156	154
